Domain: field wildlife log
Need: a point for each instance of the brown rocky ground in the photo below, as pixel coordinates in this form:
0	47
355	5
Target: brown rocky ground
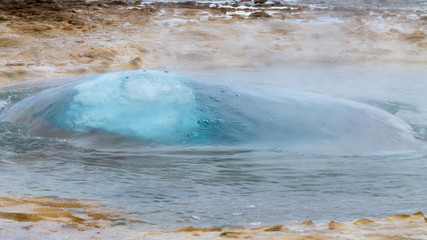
55	39
54	218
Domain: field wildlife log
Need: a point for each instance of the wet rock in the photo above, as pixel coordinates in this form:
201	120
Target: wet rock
136	62
307	223
418	216
260	1
103	5
28	227
13	74
148	10
50	212
237	17
36	10
7	1
259	15
21	217
3	18
419	213
230	234
396	217
189	13
59	210
76	22
120	3
415	36
15	64
193	229
337	226
31	28
7	42
99	53
276	228
363	221
63	26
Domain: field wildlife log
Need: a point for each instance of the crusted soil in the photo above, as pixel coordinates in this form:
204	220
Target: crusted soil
45	39
51	217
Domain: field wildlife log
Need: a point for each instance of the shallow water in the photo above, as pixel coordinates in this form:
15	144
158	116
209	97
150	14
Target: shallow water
366	4
177	185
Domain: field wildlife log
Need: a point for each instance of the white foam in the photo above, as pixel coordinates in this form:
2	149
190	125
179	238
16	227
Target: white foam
3	104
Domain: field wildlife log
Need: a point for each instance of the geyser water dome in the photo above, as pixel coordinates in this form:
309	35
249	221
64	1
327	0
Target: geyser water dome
153	107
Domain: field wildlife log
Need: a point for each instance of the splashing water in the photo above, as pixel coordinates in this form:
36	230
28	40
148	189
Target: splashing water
164	108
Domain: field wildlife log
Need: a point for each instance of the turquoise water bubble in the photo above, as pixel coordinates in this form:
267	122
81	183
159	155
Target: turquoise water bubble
154	107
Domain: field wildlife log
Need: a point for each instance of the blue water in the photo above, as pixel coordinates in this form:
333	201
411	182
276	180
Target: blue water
176	151
151	107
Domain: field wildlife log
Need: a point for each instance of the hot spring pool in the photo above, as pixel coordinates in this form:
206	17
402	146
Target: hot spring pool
177	151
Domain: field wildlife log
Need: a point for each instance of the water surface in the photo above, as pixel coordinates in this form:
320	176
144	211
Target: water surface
175	185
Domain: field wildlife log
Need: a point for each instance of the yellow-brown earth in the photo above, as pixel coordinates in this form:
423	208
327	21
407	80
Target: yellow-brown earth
87	218
57	39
